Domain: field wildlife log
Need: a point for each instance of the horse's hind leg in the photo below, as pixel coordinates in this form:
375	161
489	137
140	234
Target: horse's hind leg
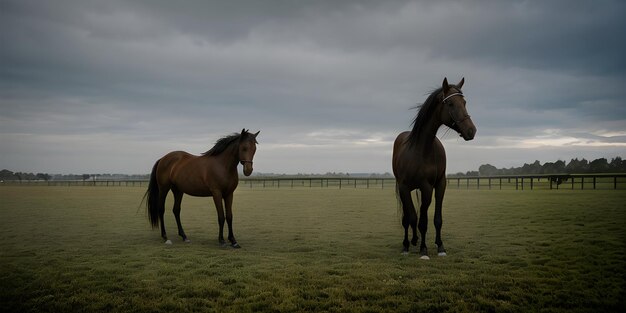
427	194
162	196
178	199
409	217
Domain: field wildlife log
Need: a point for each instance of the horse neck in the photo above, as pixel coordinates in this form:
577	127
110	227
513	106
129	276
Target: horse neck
426	137
230	156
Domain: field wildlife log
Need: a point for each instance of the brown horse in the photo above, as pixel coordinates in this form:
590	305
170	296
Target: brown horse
419	160
213	174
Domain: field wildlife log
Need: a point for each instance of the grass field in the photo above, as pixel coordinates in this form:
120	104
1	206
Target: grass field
86	249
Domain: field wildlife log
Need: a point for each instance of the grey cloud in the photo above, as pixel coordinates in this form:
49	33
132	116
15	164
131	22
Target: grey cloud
187	73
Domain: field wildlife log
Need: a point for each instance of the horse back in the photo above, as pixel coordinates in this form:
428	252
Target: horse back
195	175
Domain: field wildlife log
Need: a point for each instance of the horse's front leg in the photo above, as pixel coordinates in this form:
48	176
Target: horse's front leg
228	200
439	193
220	217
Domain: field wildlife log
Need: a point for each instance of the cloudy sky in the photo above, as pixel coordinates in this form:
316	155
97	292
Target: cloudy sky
111	86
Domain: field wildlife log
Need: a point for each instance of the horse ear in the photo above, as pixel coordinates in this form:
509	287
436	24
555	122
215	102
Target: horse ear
257	133
460	84
243	131
445	85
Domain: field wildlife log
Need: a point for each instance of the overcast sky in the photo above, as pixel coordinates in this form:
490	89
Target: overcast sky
111	86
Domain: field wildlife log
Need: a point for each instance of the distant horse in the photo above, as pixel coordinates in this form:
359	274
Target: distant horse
419	160
213	174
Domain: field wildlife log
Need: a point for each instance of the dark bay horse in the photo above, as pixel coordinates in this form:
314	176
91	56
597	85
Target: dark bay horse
212	174
419	160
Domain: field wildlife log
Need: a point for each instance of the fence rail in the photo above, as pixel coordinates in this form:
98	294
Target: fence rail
532	182
520	182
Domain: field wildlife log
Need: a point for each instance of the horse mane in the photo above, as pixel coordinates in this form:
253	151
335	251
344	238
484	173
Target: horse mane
425	112
223	143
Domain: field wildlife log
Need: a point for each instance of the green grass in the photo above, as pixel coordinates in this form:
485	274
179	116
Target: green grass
85	249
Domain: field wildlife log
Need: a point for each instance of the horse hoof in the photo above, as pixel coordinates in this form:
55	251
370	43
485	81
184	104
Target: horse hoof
405	253
424	257
235	245
442	254
168	242
187	240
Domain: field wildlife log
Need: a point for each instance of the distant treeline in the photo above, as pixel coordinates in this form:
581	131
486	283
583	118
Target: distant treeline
20	176
575	166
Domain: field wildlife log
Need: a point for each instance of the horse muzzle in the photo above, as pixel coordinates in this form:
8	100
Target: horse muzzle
247	167
469	132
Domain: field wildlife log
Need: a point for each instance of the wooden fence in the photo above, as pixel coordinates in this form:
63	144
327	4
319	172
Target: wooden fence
550	182
520	182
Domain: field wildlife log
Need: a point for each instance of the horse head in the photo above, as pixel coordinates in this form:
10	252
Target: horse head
454	113
247	149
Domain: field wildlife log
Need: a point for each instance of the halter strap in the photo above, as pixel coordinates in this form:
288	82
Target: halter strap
243	162
450	112
452	95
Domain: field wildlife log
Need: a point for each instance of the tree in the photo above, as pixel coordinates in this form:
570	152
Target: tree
576	166
534	168
553	168
43	176
7	175
559	166
617	165
600	165
487	170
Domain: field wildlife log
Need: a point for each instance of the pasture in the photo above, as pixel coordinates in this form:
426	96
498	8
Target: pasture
86	249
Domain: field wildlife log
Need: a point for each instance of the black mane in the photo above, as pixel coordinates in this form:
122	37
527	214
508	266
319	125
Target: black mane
425	112
222	144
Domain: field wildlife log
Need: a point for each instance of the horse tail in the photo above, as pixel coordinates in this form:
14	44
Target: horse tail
152	197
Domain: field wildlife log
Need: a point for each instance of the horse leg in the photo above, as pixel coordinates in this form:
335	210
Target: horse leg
427	194
220	217
228	200
178	199
439	193
409	216
162	197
